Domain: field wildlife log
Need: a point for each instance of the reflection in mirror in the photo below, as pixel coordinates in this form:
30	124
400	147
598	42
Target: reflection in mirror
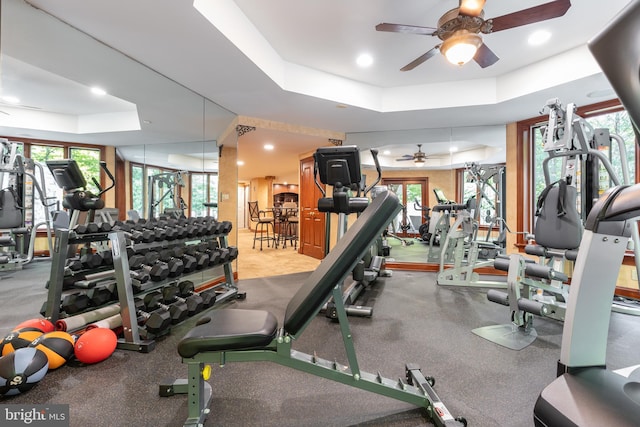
419	164
141	123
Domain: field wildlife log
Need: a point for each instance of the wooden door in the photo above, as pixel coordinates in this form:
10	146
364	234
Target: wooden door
312	222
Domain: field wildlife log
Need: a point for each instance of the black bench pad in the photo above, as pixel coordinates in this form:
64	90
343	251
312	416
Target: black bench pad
230	329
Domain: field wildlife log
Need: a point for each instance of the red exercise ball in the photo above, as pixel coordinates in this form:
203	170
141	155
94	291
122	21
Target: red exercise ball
19	339
43	324
57	345
95	345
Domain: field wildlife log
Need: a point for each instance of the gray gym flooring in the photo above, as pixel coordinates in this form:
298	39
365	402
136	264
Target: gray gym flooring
414	320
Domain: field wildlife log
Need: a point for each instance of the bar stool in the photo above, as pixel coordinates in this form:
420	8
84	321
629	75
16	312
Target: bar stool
290	232
262	221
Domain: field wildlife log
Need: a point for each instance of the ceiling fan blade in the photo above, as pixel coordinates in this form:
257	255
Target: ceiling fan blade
404	159
411	29
419	60
485	56
539	13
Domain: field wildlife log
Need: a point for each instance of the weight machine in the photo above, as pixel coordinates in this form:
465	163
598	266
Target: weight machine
541	289
163	188
21	181
470	253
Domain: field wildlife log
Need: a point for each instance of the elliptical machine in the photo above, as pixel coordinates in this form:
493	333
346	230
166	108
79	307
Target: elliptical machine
339	167
77	198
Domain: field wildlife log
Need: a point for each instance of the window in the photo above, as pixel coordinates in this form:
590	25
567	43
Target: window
204	189
88	160
137	188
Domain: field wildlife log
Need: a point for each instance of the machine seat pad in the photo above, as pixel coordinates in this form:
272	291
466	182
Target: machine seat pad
229	329
448	207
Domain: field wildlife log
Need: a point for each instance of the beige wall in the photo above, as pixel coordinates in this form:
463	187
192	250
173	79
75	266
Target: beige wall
228	189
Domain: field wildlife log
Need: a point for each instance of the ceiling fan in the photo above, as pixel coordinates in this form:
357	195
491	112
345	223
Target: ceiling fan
460	28
419	157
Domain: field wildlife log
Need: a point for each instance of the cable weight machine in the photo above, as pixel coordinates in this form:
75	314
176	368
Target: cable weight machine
21	181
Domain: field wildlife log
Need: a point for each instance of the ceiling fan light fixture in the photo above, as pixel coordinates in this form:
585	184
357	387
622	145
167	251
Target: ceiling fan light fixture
419	163
471	7
461	47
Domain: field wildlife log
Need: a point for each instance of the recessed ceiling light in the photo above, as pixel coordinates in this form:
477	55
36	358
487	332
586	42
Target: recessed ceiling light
341	106
11	99
98	91
268	147
386	152
539	37
453	149
601	93
364	60
240	163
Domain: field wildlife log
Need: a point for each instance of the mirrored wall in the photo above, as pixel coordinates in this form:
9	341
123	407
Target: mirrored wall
61	86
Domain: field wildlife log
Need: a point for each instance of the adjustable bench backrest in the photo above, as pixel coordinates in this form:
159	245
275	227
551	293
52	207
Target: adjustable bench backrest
334	268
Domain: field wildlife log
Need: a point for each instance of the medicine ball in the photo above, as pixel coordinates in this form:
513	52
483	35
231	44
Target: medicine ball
43	324
95	345
21	370
56	345
19	338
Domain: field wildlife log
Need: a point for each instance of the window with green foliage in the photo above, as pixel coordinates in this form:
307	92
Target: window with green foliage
204	189
137	188
88	161
198	194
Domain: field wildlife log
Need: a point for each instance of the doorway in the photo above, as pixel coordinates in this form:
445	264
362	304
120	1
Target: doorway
413	194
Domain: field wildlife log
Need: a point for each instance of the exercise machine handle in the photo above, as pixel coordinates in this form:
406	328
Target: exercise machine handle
106	170
374	154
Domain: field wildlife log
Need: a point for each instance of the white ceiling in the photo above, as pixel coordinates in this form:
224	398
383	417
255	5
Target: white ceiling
293	61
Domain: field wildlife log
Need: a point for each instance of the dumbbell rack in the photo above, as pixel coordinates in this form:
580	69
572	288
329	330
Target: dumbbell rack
131	334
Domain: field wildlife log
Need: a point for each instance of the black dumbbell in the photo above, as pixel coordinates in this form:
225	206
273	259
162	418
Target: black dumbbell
175	265
233	252
202	259
190	262
174	258
91	260
163	229
210	248
88	228
73	264
186	288
178	310
107	257
75	302
103	293
157	272
194	303
154	322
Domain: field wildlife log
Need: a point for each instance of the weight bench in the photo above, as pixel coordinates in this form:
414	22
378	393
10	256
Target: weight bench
235	335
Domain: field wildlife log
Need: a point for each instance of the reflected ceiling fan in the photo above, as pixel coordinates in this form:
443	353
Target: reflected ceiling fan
419	157
460	28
